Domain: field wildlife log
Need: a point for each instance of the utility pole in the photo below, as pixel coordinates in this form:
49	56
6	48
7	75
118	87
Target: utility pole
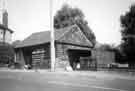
52	37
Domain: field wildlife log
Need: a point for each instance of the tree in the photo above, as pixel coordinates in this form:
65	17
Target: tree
119	55
6	53
16	43
68	16
128	35
105	47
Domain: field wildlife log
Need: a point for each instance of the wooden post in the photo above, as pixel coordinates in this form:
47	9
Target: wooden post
52	37
15	57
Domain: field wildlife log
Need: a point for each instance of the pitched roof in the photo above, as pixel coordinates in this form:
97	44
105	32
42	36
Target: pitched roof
43	37
4	27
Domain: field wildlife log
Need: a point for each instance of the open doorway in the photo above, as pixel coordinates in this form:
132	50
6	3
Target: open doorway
80	59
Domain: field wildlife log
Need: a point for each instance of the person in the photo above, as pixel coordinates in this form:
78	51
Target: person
78	66
74	65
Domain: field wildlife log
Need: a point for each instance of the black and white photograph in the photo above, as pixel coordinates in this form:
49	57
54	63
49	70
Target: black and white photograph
67	45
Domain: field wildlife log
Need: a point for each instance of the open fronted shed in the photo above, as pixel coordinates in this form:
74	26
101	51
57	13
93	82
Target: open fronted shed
71	47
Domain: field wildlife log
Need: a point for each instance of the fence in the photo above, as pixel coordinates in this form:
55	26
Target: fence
119	69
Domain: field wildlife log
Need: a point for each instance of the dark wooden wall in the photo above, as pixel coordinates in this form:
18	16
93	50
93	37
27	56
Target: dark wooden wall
64	57
103	58
41	59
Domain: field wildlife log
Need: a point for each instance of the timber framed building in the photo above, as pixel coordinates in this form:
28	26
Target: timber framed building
71	47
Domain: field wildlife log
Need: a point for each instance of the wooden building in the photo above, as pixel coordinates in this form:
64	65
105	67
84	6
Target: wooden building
103	57
71	47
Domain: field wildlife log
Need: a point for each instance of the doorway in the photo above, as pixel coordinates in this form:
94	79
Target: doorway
80	59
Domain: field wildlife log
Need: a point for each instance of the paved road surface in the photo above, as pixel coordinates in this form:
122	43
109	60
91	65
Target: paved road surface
47	81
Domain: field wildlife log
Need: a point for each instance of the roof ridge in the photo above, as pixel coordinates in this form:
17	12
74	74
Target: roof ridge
40	32
66	27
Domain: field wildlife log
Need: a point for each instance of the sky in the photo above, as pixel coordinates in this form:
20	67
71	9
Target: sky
103	16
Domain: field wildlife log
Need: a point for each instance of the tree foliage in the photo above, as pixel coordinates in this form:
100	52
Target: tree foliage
6	52
128	34
106	47
68	16
119	55
16	43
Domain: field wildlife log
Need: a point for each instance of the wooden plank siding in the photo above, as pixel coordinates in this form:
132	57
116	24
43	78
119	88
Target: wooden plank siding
62	48
73	39
103	58
41	57
76	37
62	55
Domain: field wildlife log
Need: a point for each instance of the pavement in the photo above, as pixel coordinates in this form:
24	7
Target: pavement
95	74
45	80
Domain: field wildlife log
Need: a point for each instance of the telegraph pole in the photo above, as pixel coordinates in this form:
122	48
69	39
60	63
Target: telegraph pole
52	37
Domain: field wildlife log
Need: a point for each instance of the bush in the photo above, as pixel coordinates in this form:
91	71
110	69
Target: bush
6	53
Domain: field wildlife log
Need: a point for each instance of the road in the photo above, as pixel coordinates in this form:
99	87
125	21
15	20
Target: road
49	81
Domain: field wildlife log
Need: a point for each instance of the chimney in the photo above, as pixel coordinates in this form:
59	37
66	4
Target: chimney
5	18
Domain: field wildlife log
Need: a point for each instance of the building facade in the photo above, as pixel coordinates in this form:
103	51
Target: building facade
5	32
71	47
6	50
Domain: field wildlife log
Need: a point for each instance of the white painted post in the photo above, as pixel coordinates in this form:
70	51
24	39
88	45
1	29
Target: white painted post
52	37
